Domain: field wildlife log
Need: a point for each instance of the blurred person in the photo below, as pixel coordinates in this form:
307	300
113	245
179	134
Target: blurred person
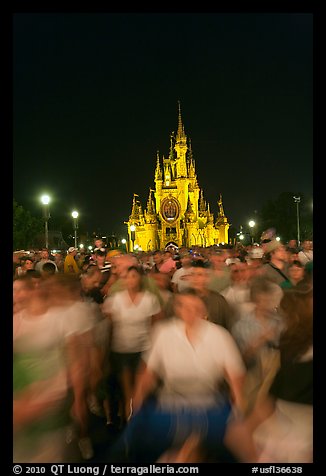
163	282
90	291
189	452
90	284
115	272
59	261
26	263
296	274
122	264
257	334
306	254
86	262
219	311
255	262
184	367
70	264
180	278
293	255
131	312
111	388
82	353
22	286
276	269
237	294
48	269
111	254
80	259
308	272
98	244
158	261
145	262
34	275
282	423
267	237
44	258
220	276
168	265
292	246
40	391
233	256
16	260
102	264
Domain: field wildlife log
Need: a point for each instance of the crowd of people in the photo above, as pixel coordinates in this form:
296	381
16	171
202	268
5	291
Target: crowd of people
193	355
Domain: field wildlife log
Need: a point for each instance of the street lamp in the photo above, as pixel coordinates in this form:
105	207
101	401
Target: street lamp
132	235
124	242
45	199
75	217
252	224
297	201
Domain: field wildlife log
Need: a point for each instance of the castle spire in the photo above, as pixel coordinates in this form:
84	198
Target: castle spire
150	203
181	136
202	204
158	171
189	214
220	206
135	209
190	155
171	153
189	207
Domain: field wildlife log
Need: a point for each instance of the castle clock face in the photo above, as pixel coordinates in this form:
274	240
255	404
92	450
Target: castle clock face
170	209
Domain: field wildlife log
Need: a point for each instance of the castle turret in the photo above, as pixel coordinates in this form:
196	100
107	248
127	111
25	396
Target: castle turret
202	203
158	171
180	148
222	223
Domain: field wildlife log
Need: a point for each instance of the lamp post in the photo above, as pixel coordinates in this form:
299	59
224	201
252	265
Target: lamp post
252	224
75	217
132	235
45	199
297	201
124	242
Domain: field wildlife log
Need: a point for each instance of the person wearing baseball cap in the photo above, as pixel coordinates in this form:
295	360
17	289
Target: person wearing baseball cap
70	265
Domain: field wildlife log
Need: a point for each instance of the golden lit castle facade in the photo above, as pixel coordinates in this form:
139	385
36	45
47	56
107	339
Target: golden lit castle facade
176	210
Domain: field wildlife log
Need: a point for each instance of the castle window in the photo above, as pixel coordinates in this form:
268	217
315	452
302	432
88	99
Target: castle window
170	209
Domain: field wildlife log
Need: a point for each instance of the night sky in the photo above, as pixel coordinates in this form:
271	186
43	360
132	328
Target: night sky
96	95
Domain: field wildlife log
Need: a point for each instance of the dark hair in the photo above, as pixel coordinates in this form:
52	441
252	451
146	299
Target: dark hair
296	263
262	285
139	270
26	258
188	292
100	252
199	263
297	337
49	268
33	273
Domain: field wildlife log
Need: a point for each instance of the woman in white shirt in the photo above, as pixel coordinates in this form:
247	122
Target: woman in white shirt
131	312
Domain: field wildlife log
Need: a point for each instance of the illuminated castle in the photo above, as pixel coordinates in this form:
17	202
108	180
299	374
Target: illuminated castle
176	210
